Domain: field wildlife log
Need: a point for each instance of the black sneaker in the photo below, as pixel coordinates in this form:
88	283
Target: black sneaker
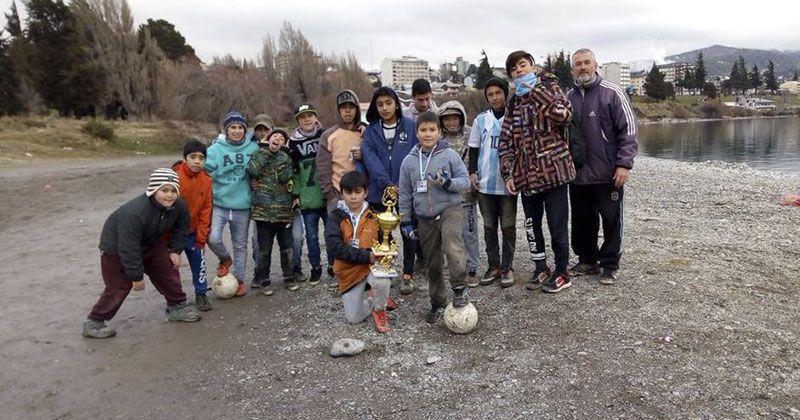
202	303
584	269
608	277
459	297
316	276
556	283
257	283
538	278
434	314
491	275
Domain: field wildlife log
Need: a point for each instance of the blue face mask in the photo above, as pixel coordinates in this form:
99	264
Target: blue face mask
523	84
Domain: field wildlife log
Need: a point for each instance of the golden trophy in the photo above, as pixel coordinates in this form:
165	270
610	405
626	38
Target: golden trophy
386	250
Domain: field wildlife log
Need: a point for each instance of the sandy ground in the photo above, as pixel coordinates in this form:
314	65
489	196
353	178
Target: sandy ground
703	323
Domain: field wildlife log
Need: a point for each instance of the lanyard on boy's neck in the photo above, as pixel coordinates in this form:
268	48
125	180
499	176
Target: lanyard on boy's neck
355	219
422	172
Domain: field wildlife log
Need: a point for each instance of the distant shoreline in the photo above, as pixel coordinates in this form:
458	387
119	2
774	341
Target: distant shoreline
671	120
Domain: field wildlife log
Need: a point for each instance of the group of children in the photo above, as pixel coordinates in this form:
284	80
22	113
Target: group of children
286	183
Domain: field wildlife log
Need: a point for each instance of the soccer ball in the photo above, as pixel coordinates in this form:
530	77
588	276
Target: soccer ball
461	320
225	287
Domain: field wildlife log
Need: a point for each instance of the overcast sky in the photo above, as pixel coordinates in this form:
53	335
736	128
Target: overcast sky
622	30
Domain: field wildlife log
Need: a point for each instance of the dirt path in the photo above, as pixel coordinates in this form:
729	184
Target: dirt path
705	322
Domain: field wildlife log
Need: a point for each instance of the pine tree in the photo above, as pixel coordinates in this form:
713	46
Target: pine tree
700	72
484	71
171	42
548	64
688	81
769	78
742	81
654	85
13	23
563	70
755	78
10	103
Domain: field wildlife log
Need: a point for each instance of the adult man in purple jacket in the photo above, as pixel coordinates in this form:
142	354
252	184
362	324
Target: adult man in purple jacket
609	133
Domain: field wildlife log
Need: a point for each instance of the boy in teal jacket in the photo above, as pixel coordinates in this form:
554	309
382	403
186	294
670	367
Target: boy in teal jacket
226	163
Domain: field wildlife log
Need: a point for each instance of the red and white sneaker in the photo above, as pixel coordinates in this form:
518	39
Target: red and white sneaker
224	265
381	323
556	283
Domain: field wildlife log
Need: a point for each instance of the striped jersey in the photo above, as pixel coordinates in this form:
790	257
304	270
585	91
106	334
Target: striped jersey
485	135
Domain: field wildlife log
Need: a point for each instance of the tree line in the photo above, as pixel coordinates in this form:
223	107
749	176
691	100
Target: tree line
88	58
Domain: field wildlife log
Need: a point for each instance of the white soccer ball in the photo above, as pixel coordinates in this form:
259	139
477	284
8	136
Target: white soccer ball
224	287
461	320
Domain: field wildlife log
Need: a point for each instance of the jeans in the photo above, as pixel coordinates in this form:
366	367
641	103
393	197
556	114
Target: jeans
239	223
197	263
554	203
311	220
298	237
502	210
469	234
254	243
357	305
587	202
267	233
440	237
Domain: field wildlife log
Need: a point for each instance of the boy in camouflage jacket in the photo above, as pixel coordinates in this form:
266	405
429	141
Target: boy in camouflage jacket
271	171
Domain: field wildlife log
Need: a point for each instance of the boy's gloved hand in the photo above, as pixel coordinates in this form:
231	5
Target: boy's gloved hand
442	178
408	231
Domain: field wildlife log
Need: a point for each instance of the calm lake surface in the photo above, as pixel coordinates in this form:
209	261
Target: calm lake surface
763	143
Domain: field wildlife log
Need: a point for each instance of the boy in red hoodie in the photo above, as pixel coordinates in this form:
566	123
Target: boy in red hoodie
196	193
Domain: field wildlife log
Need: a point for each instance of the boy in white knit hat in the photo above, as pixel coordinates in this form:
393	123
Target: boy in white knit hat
133	243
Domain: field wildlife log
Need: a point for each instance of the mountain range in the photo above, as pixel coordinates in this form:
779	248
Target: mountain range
719	59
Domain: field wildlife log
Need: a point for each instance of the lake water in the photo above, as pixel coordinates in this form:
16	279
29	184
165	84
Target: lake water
762	143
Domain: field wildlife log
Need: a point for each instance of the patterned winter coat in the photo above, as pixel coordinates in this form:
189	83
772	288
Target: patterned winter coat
270	174
533	146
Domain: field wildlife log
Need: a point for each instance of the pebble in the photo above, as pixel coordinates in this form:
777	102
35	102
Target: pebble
432	360
346	347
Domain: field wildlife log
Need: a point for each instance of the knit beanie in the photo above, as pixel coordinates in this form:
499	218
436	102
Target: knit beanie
494	81
233	117
161	177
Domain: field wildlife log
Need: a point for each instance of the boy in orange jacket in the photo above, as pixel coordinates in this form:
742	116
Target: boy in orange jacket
196	193
351	230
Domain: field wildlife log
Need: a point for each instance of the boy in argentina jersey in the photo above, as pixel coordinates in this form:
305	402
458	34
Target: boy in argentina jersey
497	204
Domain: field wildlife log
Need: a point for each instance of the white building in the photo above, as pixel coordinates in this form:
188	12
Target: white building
401	72
637	82
673	72
618	73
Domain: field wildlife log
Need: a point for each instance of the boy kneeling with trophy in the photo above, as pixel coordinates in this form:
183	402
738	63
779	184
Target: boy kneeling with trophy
351	235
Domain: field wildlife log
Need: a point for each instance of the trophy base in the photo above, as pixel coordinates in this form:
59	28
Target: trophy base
382	272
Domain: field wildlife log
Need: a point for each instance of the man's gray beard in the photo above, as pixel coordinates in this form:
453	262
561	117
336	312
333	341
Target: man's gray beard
585	79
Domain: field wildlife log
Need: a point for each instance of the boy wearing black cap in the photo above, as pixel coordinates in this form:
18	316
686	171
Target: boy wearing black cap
340	147
422	94
498	206
133	244
303	144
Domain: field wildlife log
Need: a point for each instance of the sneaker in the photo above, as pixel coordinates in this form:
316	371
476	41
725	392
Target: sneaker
202	303
316	276
257	283
381	323
298	275
97	329
556	283
224	265
459	297
491	275
538	278
507	278
240	290
434	314
584	269
390	304
472	279
333	281
608	277
407	284
291	284
182	313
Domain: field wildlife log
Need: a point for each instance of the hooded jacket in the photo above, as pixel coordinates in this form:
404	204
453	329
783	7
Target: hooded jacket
436	199
382	165
196	193
412	113
333	154
609	131
272	197
226	163
457	140
137	225
533	148
351	264
303	151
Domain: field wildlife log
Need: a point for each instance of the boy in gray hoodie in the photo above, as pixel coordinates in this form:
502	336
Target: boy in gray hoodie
432	178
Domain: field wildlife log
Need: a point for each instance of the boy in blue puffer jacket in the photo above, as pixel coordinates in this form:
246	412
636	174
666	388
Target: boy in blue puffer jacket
226	163
386	142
